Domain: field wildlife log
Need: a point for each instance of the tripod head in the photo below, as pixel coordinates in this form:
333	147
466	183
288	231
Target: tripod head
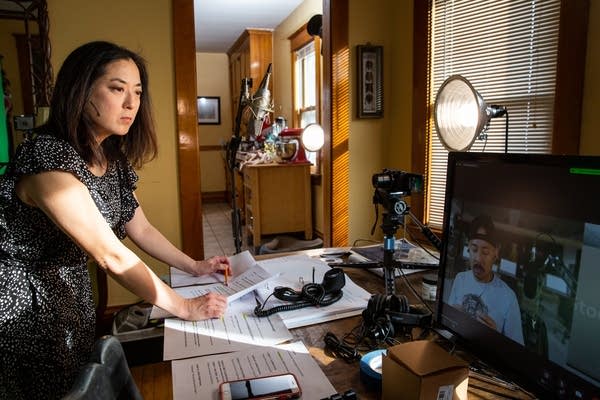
391	186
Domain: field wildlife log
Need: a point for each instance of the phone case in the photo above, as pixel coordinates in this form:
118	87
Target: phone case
226	395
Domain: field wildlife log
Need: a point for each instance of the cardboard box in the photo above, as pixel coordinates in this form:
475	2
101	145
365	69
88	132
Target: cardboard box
422	370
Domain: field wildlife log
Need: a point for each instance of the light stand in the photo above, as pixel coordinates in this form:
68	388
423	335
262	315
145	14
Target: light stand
260	106
232	148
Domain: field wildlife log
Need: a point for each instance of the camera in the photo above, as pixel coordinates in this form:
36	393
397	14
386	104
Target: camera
390	188
400	182
24	122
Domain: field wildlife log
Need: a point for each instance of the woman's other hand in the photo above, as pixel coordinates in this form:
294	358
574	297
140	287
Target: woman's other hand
210	305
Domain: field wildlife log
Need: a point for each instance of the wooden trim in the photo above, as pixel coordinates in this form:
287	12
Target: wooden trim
326	106
246	34
299	38
336	121
570	73
184	44
420	108
24	62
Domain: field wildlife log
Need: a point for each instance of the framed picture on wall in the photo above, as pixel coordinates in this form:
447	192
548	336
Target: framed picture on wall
209	110
370	81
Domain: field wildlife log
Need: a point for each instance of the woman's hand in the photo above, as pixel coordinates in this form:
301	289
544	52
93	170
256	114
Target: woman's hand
211	305
214	264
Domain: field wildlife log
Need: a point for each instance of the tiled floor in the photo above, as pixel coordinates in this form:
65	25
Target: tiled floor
218	235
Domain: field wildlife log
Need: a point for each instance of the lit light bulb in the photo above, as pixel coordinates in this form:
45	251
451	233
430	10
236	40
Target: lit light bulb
313	137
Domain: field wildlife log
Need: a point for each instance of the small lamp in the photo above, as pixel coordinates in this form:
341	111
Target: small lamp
461	115
313	137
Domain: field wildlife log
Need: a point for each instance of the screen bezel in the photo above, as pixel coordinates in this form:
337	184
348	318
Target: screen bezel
513	360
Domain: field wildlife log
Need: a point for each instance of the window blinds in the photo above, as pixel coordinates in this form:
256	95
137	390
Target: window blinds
507	49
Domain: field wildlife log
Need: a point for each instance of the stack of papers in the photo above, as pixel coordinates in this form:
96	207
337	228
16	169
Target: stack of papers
294	272
247	276
239	337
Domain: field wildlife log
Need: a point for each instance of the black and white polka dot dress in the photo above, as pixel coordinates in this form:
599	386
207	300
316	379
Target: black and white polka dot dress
47	313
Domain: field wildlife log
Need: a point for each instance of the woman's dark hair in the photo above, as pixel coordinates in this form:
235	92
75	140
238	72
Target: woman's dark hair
73	87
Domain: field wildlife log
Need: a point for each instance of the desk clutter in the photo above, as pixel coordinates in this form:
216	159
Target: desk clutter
252	339
380	351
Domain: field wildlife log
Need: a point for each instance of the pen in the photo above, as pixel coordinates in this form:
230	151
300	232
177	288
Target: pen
226	276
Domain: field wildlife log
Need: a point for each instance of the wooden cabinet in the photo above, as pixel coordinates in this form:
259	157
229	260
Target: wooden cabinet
278	200
249	57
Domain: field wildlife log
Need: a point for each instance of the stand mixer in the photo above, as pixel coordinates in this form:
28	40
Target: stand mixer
290	147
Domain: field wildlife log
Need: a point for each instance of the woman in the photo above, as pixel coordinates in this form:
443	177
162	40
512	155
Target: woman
68	196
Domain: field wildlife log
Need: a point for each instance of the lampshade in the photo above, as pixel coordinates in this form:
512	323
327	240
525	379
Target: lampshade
313	137
461	114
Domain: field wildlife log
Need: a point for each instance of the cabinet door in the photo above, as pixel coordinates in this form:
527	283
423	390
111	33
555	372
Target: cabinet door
284	198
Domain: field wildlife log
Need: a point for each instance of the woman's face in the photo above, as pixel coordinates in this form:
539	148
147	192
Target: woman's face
114	100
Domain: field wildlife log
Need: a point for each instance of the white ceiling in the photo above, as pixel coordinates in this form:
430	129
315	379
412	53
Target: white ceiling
220	22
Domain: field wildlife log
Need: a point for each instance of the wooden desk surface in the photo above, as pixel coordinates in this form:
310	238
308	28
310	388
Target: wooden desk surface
155	380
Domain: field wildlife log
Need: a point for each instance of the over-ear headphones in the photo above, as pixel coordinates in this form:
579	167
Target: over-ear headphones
387	315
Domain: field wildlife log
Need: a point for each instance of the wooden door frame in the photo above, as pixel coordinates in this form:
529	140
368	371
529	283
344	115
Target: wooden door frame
188	160
187	128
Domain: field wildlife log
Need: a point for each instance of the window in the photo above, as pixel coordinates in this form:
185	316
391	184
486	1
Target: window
305	87
508	50
306	83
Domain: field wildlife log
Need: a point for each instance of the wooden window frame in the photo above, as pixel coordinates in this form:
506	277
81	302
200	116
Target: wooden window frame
298	40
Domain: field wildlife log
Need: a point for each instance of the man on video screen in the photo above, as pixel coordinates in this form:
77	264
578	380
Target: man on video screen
479	291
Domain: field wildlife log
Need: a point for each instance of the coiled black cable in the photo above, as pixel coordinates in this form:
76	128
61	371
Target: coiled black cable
312	294
340	349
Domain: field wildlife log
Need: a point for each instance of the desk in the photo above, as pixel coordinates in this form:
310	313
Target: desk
155	381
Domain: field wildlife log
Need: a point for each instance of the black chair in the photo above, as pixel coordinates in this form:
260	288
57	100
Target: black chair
106	375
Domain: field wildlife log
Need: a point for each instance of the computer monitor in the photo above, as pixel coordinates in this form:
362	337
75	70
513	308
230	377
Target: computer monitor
534	220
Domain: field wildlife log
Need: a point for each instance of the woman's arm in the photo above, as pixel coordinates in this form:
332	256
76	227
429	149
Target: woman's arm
149	239
67	202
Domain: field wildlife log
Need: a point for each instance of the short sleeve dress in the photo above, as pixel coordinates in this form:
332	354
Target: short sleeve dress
47	313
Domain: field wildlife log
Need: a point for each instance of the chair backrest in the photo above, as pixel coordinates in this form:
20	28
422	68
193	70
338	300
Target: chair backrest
106	375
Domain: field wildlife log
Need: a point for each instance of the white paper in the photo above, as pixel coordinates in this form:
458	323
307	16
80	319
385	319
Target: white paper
294	272
252	277
199	378
239	264
237	330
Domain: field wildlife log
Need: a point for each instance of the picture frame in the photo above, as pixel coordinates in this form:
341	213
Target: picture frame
209	110
370	81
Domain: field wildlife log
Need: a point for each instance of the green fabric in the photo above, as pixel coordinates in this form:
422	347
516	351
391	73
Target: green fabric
4	151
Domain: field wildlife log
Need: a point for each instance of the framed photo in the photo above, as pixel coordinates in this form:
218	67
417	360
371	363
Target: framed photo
209	110
370	81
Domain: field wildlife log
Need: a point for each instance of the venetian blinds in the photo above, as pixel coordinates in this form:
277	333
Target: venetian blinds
507	49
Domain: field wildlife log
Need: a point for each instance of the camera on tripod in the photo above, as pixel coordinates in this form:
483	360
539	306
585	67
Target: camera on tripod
390	188
395	181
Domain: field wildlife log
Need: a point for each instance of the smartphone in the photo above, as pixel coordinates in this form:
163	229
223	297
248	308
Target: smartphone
276	387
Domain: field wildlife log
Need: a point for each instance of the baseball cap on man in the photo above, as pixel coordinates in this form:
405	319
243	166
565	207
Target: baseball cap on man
482	227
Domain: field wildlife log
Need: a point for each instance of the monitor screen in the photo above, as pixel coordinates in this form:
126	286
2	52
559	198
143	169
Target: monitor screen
519	278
